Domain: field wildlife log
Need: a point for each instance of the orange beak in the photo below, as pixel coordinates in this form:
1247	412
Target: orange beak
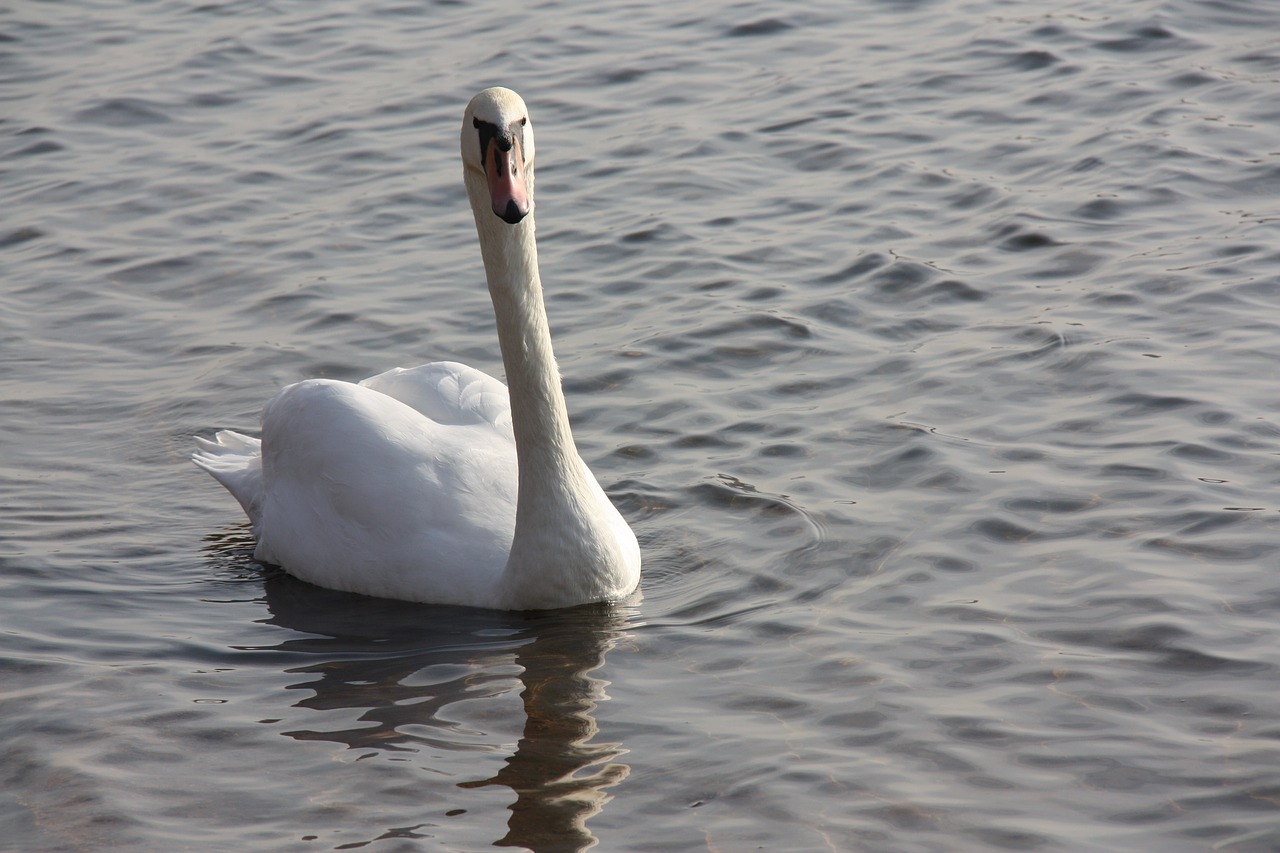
507	190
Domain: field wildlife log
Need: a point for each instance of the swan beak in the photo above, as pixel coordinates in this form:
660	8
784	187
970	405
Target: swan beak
507	189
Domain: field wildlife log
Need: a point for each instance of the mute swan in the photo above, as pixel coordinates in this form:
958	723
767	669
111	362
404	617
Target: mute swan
437	483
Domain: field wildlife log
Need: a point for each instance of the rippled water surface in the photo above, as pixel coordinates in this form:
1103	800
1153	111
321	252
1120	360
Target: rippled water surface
931	348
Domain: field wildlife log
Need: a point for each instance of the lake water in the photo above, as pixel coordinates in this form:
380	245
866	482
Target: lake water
931	348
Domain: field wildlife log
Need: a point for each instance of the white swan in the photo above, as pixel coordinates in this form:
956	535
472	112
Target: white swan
437	483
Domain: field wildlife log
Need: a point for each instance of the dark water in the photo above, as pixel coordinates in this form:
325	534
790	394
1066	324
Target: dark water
931	348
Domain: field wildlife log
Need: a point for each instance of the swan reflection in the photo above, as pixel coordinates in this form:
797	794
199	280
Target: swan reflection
556	791
407	668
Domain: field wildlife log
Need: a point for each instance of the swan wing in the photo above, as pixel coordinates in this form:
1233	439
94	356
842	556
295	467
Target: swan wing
366	493
448	393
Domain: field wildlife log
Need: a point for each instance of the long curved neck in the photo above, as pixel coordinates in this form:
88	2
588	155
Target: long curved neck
540	418
563	549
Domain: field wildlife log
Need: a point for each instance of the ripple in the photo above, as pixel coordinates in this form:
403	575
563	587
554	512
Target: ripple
761	27
124	113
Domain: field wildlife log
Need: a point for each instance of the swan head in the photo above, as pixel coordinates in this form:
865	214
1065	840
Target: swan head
497	154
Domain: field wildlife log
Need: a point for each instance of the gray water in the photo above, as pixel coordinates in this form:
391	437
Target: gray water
931	348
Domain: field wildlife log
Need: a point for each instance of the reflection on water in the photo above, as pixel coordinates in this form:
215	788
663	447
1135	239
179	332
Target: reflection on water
556	793
402	671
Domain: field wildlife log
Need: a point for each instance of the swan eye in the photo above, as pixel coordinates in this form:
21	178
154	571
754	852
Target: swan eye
505	138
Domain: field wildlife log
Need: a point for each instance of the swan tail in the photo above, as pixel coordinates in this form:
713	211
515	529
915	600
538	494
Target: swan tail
235	461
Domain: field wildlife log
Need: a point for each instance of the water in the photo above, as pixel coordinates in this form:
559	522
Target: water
930	348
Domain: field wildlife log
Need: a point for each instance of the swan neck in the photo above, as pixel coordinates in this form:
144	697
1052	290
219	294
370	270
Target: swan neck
564	549
540	418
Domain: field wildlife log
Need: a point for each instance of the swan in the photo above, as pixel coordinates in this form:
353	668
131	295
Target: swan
438	483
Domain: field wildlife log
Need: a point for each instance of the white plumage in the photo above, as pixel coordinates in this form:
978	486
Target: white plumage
438	483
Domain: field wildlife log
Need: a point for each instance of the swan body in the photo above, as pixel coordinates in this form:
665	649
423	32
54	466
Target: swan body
438	483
